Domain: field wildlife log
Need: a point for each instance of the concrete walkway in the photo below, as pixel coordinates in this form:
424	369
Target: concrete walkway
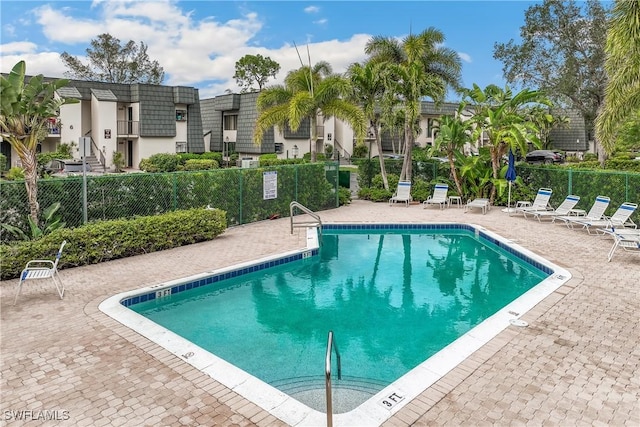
578	362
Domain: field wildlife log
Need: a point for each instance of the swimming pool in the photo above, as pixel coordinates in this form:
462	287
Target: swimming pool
422	373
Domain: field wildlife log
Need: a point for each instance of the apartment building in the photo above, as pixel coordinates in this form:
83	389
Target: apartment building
137	120
228	121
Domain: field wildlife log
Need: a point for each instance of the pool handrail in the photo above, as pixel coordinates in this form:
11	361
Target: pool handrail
327	373
317	222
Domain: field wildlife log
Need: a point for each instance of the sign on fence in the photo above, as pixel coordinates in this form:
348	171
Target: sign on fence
270	185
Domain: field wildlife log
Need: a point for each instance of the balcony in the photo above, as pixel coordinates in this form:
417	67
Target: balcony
53	126
128	128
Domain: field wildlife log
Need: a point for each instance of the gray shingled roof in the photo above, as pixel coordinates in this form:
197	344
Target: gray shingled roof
69	92
104	95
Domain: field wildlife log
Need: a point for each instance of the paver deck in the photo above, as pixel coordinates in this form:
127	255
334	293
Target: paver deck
577	363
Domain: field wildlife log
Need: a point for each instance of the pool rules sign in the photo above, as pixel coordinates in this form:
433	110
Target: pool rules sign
270	185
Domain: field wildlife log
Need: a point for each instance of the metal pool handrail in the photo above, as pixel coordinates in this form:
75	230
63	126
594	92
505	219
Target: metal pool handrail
293	205
327	373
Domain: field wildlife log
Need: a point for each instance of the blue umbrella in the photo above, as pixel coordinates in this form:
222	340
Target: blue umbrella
510	176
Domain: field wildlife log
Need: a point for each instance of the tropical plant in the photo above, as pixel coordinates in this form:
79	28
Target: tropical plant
26	108
113	63
367	83
501	116
51	222
256	69
453	133
308	93
419	66
118	161
622	95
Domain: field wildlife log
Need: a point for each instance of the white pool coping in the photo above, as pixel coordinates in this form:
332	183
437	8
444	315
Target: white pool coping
379	407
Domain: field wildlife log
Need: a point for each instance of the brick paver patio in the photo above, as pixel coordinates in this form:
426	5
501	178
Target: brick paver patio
578	362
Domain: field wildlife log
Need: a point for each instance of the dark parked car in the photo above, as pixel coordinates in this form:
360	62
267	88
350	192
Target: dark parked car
544	156
65	167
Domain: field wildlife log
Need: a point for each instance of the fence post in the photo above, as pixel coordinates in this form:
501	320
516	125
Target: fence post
175	192
295	192
570	181
240	192
337	169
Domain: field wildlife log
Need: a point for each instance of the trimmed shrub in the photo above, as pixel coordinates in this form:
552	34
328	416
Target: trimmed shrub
200	164
160	162
108	240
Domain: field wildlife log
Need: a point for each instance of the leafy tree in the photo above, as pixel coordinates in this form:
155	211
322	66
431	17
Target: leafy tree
416	67
628	135
26	108
368	87
256	69
111	62
562	54
308	92
622	96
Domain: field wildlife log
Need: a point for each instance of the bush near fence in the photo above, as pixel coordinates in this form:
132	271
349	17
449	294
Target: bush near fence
238	192
108	240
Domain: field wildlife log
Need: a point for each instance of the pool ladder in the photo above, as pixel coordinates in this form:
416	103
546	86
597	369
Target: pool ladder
317	222
327	374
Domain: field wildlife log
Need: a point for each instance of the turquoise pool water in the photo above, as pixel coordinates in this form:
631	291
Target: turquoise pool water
392	297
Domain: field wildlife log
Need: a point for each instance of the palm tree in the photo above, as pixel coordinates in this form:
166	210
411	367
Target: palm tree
500	116
26	108
367	83
453	133
308	92
622	93
417	67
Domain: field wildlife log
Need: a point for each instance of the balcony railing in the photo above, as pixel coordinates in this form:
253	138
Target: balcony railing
54	127
128	128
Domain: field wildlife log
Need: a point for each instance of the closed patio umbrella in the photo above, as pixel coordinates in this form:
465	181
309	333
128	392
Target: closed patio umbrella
510	176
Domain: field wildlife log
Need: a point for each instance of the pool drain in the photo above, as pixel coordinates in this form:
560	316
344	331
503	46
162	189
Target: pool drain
518	322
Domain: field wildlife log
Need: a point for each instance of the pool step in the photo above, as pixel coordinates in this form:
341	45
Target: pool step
348	392
296	384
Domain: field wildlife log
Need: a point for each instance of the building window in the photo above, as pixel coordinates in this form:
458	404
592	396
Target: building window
279	147
181	115
181	147
231	122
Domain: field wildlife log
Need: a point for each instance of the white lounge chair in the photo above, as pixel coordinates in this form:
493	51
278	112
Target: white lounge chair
42	269
596	212
439	196
402	194
540	203
624	238
483	204
620	218
565	208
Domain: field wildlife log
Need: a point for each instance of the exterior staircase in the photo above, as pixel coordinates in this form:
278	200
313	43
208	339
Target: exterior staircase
96	166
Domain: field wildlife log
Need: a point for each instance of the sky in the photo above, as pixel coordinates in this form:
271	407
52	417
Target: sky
198	42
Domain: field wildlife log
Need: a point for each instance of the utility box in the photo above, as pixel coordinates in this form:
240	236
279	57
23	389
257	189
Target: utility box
248	162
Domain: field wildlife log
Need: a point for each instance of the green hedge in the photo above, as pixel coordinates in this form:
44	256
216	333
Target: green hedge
109	240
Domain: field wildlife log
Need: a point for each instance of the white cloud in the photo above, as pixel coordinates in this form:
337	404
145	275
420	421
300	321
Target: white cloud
322	21
192	52
312	9
465	57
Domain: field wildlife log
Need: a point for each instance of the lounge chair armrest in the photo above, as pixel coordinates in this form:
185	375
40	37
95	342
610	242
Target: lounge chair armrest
31	263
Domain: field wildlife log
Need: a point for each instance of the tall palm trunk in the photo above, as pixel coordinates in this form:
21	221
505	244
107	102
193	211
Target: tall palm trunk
314	137
30	165
383	169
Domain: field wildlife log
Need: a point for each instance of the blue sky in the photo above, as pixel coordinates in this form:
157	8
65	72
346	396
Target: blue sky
198	42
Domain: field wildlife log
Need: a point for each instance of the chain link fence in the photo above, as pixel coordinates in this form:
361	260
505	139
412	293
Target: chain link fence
247	195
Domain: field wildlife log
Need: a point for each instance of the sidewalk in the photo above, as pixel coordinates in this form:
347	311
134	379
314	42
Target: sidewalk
578	362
